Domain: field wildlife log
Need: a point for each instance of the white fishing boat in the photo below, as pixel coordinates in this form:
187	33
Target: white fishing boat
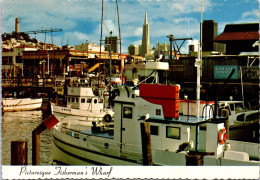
238	113
21	104
170	132
83	108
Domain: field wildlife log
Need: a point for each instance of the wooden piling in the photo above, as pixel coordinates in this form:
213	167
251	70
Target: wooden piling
19	153
36	144
225	113
146	143
196	158
47	123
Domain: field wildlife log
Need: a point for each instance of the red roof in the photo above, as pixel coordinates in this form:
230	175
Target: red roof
237	36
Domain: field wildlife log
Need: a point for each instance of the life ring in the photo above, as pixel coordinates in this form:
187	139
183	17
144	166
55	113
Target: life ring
107	118
222	136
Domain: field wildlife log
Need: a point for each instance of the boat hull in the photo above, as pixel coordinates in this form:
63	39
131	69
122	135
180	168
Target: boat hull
71	149
72	152
10	105
79	112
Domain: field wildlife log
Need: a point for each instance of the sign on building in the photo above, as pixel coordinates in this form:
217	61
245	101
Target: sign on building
222	72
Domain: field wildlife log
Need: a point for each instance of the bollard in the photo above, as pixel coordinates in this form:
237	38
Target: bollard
146	143
196	158
47	123
19	153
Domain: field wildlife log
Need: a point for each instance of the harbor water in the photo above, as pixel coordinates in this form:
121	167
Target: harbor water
18	126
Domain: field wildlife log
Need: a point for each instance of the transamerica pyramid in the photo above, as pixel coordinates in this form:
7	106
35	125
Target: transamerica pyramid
145	46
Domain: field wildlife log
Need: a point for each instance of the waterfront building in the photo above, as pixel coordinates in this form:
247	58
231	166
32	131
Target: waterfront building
163	48
145	46
113	41
133	50
209	32
239	38
88	46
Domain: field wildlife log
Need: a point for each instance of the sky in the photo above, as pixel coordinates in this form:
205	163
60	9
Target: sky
80	20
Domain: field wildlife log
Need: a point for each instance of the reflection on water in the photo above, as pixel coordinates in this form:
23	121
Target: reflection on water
18	126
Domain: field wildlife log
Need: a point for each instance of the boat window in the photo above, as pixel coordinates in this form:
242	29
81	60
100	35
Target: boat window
68	99
77	100
239	107
83	100
95	101
72	99
173	132
241	117
158	112
154	130
101	100
128	112
252	117
232	107
88	100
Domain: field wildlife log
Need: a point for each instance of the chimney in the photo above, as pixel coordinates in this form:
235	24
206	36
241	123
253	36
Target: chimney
17	25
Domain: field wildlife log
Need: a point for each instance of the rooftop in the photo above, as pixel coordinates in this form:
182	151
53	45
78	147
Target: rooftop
239	32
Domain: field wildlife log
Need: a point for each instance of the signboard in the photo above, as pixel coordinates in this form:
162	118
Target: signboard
222	72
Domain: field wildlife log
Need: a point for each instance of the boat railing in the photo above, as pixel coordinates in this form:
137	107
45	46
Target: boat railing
106	145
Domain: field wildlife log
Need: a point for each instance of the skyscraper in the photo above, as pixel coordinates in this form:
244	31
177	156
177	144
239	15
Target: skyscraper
145	46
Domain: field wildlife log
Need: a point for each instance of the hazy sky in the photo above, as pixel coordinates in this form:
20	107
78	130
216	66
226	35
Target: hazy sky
80	20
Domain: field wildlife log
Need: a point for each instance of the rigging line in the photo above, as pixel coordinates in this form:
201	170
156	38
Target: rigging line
188	20
114	19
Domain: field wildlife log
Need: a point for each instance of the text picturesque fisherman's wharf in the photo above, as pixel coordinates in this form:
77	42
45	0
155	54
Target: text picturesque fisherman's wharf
64	171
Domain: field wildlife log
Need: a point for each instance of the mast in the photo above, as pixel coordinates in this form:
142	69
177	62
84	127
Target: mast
99	75
122	63
198	64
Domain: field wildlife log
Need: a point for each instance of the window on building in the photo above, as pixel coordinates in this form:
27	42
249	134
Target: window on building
72	99
158	112
68	99
77	100
154	130
173	132
82	100
101	100
89	100
95	101
128	112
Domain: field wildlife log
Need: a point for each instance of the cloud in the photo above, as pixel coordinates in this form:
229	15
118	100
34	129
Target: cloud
252	14
138	42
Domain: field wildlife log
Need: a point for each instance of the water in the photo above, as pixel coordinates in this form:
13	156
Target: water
18	126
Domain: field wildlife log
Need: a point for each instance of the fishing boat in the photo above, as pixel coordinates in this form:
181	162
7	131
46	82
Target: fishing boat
173	136
83	107
21	104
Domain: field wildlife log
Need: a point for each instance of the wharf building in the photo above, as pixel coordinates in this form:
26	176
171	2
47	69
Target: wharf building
111	42
240	43
27	57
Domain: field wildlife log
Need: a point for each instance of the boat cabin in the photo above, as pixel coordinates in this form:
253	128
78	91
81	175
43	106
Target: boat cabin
168	129
82	98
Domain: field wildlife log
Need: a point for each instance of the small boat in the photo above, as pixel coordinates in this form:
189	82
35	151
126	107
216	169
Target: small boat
238	113
22	104
172	135
84	107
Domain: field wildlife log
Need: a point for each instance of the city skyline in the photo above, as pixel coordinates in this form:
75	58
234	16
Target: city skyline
81	20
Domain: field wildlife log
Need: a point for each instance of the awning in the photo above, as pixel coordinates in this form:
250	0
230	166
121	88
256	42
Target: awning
107	57
79	54
40	57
